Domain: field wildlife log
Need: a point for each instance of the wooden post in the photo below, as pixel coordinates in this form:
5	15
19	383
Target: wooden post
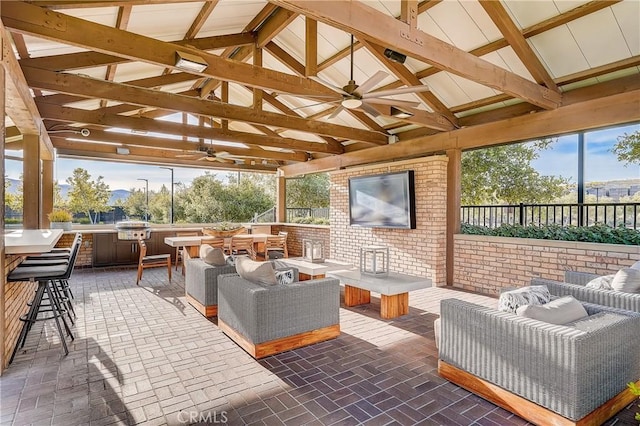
31	181
2	254
47	192
454	175
281	199
257	92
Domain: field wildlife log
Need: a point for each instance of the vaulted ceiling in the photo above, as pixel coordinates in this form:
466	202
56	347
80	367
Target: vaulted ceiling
271	94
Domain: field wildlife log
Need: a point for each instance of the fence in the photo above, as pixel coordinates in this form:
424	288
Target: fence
612	214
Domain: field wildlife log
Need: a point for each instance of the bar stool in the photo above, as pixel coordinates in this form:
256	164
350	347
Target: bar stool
46	277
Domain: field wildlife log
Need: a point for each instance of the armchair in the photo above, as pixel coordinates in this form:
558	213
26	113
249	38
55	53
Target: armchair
547	374
574	285
265	320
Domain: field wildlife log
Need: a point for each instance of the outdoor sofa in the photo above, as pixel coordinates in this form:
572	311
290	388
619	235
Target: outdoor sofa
201	284
269	319
547	374
574	285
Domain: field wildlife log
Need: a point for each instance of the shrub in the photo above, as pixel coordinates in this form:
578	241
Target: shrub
60	216
84	221
311	220
636	391
598	233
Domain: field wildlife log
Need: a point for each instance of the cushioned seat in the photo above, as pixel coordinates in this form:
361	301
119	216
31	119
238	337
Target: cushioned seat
545	373
201	284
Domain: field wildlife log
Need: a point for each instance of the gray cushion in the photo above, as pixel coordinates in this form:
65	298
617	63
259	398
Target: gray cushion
601	283
635	265
559	311
627	280
212	255
511	300
256	272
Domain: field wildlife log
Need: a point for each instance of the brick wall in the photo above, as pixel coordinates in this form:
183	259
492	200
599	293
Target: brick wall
16	296
85	255
488	264
419	251
297	233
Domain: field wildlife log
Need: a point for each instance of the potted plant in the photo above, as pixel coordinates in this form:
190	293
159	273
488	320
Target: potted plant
223	230
60	219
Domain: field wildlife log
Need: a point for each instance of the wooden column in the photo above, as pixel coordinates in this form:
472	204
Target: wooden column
454	175
2	254
257	92
281	199
31	205
47	192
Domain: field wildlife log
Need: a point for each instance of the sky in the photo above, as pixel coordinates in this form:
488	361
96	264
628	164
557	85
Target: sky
559	160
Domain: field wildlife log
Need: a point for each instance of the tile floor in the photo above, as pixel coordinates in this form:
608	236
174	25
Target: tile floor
142	355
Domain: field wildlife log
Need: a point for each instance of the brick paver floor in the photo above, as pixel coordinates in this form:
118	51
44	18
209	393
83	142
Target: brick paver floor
142	355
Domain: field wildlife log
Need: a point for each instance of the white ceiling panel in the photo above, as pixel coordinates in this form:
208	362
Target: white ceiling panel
230	16
627	15
429	26
559	51
446	89
40	47
512	62
269	61
292	39
301	135
457	24
136	70
166	22
566	5
600	38
482	20
528	13
330	41
473	90
99	15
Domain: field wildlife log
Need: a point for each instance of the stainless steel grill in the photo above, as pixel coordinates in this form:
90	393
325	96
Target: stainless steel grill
133	230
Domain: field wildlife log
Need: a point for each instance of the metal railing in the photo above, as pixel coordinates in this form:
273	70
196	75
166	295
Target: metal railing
612	214
292	213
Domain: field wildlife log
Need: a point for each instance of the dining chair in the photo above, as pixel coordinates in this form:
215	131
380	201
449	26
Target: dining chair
179	257
214	242
275	247
152	261
242	245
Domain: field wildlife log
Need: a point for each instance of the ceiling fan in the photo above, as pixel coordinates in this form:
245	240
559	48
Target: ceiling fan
207	153
356	96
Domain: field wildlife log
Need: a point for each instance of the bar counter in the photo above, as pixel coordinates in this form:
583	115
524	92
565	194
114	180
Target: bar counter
31	241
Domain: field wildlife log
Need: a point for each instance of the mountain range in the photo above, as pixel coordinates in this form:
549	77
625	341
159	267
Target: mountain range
117	194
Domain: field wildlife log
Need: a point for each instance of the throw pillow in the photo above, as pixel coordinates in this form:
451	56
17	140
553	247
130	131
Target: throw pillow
231	260
284	277
635	265
212	256
559	311
627	280
256	272
533	295
601	283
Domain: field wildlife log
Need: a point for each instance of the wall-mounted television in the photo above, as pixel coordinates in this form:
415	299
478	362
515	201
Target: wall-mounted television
383	201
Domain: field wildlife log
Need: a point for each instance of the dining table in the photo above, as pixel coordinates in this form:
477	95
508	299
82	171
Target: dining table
192	243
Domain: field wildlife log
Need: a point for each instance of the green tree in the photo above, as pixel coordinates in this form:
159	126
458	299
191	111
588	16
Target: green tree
13	201
160	205
628	148
135	204
58	202
504	174
86	195
199	200
309	191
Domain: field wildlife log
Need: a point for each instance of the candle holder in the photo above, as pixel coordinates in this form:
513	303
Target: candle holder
313	250
374	260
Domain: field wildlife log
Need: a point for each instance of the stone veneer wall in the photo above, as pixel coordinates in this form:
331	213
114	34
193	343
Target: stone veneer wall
16	296
419	251
299	232
487	264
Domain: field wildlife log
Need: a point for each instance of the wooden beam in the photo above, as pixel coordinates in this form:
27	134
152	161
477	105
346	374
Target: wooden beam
409	13
19	104
612	110
272	26
79	4
370	24
73	115
32	20
80	60
311	47
257	93
514	37
285	58
88	87
122	21
281	199
201	18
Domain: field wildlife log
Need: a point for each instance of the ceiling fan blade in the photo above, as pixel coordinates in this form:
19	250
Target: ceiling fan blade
369	110
329	85
190	155
393	102
316	104
335	112
400	91
372	82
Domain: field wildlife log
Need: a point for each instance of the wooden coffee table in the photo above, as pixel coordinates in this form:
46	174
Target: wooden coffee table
393	289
